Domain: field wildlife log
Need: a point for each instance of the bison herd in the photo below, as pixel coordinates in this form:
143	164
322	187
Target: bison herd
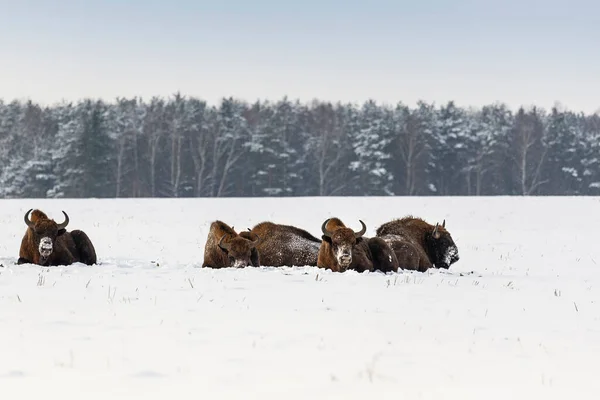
409	243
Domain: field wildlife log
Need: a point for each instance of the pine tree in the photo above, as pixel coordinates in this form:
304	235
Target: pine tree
372	145
563	170
67	156
449	157
485	146
590	160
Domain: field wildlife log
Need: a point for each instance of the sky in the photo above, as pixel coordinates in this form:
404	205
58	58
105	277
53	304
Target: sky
520	53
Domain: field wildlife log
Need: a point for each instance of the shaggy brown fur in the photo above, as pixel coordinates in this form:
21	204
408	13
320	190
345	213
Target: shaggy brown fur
342	249
419	245
47	243
226	248
285	245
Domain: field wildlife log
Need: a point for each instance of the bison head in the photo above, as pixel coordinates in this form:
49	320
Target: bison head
45	231
442	248
240	250
342	241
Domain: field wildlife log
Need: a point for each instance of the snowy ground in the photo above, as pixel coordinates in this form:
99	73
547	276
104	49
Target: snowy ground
149	323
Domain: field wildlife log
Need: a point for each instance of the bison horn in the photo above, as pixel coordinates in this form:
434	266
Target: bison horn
65	223
435	230
27	220
222	245
324	230
362	231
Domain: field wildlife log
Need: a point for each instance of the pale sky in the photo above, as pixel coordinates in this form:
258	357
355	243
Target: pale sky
474	52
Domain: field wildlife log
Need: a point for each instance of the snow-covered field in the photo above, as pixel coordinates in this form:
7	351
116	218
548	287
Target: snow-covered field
518	316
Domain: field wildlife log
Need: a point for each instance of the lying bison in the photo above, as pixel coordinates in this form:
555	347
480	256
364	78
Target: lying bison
343	249
419	245
49	244
226	248
285	245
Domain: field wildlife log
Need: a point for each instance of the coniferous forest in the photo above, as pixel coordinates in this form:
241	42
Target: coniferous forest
184	147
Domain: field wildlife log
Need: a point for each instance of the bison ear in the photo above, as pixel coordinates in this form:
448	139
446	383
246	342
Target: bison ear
326	239
254	257
61	232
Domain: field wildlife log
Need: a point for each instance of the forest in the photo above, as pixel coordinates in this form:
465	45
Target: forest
184	147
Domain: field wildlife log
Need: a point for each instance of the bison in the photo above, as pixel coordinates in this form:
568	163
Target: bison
49	244
285	245
226	248
342	249
419	245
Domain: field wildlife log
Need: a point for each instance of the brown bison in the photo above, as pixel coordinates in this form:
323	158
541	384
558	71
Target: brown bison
226	248
343	249
47	243
419	245
285	245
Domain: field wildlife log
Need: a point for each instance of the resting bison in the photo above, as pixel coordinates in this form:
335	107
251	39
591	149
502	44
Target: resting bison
285	245
419	245
343	249
47	243
226	248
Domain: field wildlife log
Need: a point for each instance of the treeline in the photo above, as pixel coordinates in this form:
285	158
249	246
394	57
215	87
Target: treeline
183	147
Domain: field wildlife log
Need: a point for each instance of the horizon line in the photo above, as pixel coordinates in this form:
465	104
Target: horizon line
258	99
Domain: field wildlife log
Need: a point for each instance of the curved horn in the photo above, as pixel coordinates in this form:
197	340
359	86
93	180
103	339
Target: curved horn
65	223
362	231
444	223
222	245
324	230
27	220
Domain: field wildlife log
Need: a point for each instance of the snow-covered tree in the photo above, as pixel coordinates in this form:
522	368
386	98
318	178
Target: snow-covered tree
181	146
590	160
82	153
328	148
564	169
527	151
410	150
484	146
448	152
230	133
372	147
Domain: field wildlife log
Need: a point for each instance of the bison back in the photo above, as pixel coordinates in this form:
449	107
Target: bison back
288	249
410	255
84	247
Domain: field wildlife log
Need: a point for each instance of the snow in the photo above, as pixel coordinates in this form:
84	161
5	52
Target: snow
518	316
